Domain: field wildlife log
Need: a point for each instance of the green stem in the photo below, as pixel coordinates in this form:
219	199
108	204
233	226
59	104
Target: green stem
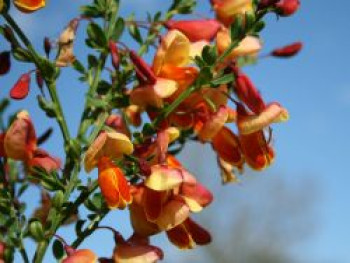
60	117
23	254
40	251
184	95
89	230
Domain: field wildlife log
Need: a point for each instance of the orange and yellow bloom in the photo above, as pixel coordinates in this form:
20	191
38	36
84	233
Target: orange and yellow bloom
29	6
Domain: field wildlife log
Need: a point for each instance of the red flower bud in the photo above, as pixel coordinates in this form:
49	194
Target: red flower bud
143	70
113	48
248	94
288	51
287	7
21	89
39	80
196	30
267	3
5	62
47	46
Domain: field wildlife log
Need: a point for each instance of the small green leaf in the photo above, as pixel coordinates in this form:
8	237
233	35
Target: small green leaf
135	33
21	54
78	66
96	37
237	28
225	79
209	55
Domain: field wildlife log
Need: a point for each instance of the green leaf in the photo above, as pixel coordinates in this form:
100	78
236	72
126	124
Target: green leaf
237	28
96	37
78	66
135	33
57	249
21	54
225	79
91	11
48	107
209	55
118	30
183	6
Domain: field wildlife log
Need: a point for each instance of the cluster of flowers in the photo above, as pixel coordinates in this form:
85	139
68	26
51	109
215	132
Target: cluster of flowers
166	194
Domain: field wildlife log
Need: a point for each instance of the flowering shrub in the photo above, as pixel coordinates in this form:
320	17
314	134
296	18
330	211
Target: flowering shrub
134	124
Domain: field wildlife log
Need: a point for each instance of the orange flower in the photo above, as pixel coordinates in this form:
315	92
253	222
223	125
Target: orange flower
256	149
249	46
227	9
108	144
43	160
20	139
81	256
29	6
113	184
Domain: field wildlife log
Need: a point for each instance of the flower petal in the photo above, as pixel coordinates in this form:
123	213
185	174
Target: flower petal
164	88
109	144
174	213
253	123
174	50
164	178
214	124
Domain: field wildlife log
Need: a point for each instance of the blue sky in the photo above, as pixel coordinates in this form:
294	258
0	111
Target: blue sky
314	87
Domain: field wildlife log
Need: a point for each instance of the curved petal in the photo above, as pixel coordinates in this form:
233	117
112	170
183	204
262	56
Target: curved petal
253	123
174	213
174	50
108	144
164	178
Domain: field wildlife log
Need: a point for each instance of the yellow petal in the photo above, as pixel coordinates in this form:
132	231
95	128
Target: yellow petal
174	50
173	133
194	206
273	113
164	88
164	178
174	213
109	144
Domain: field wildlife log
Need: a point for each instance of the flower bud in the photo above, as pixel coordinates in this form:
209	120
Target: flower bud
5	62
113	48
47	46
21	89
196	30
287	7
288	51
29	6
143	70
267	3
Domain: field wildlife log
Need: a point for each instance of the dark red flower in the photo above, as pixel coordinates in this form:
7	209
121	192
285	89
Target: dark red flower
5	62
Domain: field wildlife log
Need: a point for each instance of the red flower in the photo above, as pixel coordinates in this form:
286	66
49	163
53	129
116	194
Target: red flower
288	51
21	89
196	30
287	7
